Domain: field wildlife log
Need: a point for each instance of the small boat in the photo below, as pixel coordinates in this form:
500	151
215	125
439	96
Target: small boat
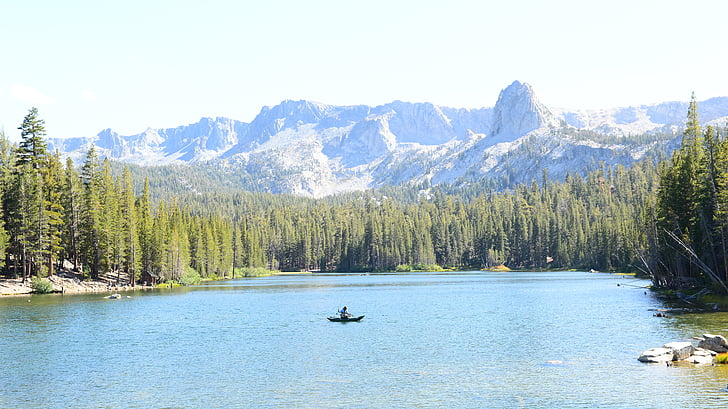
345	319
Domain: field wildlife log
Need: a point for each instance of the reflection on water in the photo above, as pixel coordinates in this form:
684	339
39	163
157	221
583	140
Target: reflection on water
559	340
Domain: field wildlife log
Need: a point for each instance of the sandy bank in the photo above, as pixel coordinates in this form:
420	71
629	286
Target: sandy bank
67	283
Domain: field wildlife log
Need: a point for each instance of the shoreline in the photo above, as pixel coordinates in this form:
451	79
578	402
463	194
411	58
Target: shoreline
66	283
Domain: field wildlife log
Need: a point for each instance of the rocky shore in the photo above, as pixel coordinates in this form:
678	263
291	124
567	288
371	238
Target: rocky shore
67	283
709	345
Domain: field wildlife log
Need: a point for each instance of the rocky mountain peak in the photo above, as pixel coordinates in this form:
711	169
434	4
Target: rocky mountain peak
302	111
518	112
306	147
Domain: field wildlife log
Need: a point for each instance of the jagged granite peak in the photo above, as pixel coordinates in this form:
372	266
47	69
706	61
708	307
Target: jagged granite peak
188	143
207	134
288	114
422	123
368	140
309	148
116	144
518	112
108	138
270	121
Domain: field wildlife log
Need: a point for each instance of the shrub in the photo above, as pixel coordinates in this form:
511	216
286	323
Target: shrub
721	358
41	286
499	267
253	272
405	268
427	267
191	277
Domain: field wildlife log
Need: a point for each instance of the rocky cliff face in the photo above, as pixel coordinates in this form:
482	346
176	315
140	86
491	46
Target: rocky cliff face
315	149
517	113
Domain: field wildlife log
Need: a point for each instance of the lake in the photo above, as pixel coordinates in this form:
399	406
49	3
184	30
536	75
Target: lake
429	340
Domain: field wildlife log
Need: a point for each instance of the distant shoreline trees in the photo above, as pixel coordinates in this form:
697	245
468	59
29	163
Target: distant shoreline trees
89	219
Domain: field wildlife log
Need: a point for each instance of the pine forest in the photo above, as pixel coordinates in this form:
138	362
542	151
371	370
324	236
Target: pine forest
666	218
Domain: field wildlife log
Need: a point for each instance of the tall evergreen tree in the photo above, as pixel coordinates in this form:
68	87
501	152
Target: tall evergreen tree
92	215
32	148
53	210
31	227
72	201
23	204
132	255
145	225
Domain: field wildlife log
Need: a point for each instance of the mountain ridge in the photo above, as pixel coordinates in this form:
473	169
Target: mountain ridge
314	149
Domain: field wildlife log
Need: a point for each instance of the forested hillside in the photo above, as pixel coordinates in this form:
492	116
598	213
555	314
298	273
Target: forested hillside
688	240
91	218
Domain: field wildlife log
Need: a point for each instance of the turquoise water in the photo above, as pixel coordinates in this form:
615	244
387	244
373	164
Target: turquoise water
456	340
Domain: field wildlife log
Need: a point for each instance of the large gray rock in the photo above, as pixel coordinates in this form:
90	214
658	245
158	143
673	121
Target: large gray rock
716	343
704	352
657	355
700	360
701	357
680	350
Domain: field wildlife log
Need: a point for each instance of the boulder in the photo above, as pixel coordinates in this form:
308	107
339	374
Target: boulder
656	355
700	359
680	350
704	352
716	343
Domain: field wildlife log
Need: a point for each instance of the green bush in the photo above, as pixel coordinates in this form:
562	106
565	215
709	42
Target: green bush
191	277
721	359
407	268
41	286
253	272
427	267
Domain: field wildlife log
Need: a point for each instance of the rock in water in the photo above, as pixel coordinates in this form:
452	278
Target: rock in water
657	355
680	350
716	343
700	359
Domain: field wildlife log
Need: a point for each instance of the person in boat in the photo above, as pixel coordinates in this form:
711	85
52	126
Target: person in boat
345	312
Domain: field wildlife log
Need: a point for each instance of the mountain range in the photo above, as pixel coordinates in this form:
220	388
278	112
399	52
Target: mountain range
313	149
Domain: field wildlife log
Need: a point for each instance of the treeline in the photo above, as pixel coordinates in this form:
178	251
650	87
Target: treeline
592	222
688	230
89	218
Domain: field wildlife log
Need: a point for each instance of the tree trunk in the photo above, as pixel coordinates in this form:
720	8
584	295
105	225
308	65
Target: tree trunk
25	265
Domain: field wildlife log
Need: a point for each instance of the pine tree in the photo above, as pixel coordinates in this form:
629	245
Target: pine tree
27	202
7	159
158	243
236	247
92	213
32	148
131	256
23	206
72	202
112	245
687	209
145	225
177	252
53	210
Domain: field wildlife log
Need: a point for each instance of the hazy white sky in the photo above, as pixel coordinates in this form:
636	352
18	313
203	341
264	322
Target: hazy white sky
133	64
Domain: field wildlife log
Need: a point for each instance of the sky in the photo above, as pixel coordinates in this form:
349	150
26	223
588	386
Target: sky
130	65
